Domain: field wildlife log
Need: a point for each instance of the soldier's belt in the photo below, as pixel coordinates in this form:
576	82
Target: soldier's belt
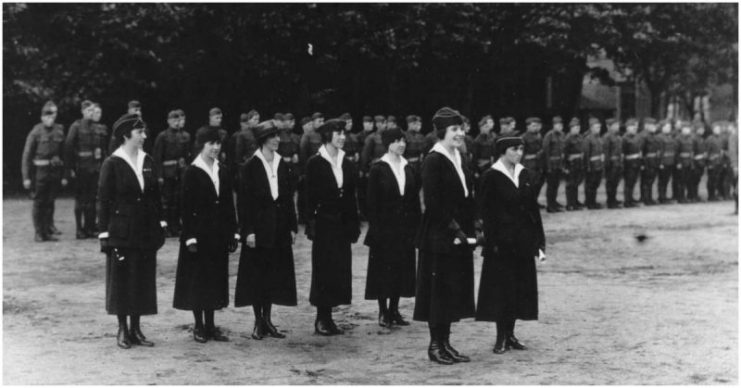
575	156
685	154
287	159
669	154
170	163
632	156
85	154
699	157
414	159
531	156
41	162
713	157
652	155
595	158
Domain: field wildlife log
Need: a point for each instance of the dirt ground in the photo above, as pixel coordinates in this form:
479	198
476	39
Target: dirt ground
613	311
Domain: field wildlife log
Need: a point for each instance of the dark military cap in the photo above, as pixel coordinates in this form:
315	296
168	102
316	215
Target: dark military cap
368	119
305	120
391	135
413	119
391	119
134	104
332	125
557	120
649	120
180	112
505	121
288	116
278	116
593	121
49	108
86	104
265	129
345	116
126	124
379	118
609	122
444	118
214	112
252	113
661	123
317	115
631	121
244	117
174	114
503	143
574	122
531	120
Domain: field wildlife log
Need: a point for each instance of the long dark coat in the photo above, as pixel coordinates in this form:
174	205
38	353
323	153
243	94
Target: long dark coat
514	233
131	216
334	212
445	274
393	221
266	272
202	278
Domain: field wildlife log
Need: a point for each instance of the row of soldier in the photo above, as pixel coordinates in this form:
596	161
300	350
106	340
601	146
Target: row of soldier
670	151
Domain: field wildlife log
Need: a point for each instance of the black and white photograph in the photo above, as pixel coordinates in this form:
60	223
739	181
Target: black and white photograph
527	193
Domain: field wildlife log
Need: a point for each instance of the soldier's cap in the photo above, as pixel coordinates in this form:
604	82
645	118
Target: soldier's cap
332	125
391	119
413	119
134	104
696	126
317	115
174	114
367	119
252	113
305	120
278	116
484	119
610	122
96	105
244	117
208	134
49	108
574	122
391	135
288	116
445	117
345	116
126	124
593	121
505	142
379	118
180	112
86	104
631	121
265	129
214	112
661	123
649	120
531	120
505	121
557	120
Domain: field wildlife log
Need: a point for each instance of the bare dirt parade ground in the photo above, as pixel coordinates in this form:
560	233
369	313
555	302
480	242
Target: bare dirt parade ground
612	311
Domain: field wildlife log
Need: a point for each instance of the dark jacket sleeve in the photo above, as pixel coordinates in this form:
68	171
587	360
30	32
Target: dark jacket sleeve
158	154
29	150
246	201
70	146
106	193
534	210
372	196
231	214
432	187
189	194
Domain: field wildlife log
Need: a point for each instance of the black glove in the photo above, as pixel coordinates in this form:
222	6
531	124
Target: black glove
105	246
310	229
233	245
192	248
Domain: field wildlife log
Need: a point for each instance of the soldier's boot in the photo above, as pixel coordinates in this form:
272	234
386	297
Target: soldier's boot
89	215
48	224
80	231
38	224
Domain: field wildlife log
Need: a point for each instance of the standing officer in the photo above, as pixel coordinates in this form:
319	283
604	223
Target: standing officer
613	144
467	146
42	170
632	145
698	164
288	147
533	158
594	155
650	149
573	164
352	142
713	146
244	142
727	180
79	159
171	153
483	147
367	131
373	148
391	122
214	121
553	149
415	147
507	127
667	159
684	163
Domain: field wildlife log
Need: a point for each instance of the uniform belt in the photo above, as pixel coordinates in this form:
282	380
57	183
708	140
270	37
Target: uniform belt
595	158
700	157
651	155
670	153
531	156
484	160
287	159
170	163
685	154
85	154
41	162
414	159
575	156
632	156
713	157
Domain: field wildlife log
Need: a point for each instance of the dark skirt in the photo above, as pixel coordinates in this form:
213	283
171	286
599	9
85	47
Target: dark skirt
444	286
266	275
509	287
202	279
131	287
391	269
331	260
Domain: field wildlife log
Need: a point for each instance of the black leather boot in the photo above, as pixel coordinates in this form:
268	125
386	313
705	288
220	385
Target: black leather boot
333	327
269	327
122	338
137	338
258	332
512	342
384	319
500	345
454	354
321	327
437	353
397	318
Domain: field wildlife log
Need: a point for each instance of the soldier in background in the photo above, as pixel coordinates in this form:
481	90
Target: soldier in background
288	146
728	181
42	171
713	146
594	156
573	164
391	122
308	146
553	155
373	148
244	143
698	164
613	144
507	127
684	161
171	155
632	145
650	149
415	144
667	160
80	148
352	146
533	156
733	161
483	147
133	107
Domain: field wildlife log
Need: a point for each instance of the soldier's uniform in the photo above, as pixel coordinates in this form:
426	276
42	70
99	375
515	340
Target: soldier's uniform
483	152
245	146
553	155
728	180
430	140
373	150
172	151
42	164
713	146
533	156
352	146
574	166
415	148
507	127
594	157
684	166
698	165
288	148
613	144
668	153
651	151
309	145
633	161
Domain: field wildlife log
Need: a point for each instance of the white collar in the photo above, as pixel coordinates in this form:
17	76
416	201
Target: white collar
387	158
457	163
271	169
276	158
399	174
212	172
137	166
325	154
499	166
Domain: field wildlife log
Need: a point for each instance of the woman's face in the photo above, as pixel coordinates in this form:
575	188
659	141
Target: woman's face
514	154
398	147
137	138
273	142
211	149
454	136
338	139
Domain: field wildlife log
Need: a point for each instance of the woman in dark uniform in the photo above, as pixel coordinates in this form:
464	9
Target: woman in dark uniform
393	219
268	222
209	234
446	239
131	230
332	225
514	239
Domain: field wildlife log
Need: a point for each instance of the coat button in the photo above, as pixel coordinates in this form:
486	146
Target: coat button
216	202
